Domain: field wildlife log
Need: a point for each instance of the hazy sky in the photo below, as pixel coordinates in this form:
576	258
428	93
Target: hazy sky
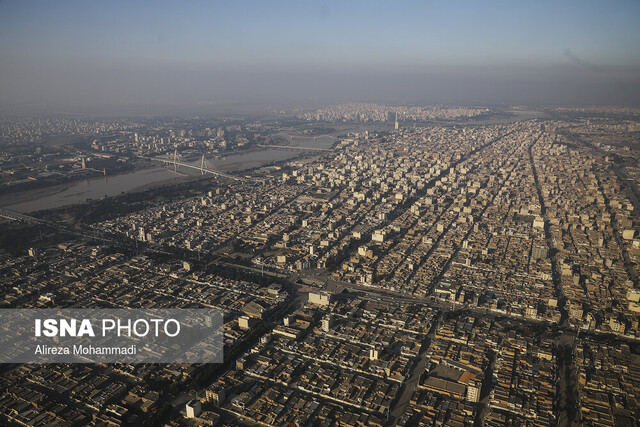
74	54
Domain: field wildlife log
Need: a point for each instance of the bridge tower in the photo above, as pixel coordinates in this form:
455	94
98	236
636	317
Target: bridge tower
175	160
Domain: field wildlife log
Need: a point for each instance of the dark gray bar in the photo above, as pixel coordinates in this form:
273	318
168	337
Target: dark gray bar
111	336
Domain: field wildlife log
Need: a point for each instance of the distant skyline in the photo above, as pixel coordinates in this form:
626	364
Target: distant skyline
81	54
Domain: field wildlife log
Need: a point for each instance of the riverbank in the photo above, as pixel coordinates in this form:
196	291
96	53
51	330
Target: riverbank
87	189
37	193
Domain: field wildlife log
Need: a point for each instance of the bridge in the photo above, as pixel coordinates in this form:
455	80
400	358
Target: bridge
290	147
16	216
202	168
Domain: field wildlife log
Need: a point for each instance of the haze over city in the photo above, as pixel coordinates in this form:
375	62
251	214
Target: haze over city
92	56
320	213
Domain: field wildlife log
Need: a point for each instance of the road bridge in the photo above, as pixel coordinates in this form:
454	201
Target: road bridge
291	147
16	216
201	168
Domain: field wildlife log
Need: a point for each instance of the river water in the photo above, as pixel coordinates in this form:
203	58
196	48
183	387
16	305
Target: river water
96	188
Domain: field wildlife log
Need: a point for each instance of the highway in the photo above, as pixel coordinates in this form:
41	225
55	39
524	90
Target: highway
16	216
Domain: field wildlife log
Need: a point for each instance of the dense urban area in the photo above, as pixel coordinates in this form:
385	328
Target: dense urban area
439	265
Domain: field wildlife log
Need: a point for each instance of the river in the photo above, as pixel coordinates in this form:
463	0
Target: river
95	188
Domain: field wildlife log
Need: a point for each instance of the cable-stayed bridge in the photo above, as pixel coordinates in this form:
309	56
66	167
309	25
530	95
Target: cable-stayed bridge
202	168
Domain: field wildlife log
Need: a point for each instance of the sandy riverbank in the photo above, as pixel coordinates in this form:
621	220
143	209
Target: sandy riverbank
9	199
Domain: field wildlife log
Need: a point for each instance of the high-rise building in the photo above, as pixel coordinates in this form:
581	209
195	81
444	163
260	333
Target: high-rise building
374	353
193	408
326	323
215	394
473	392
243	322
